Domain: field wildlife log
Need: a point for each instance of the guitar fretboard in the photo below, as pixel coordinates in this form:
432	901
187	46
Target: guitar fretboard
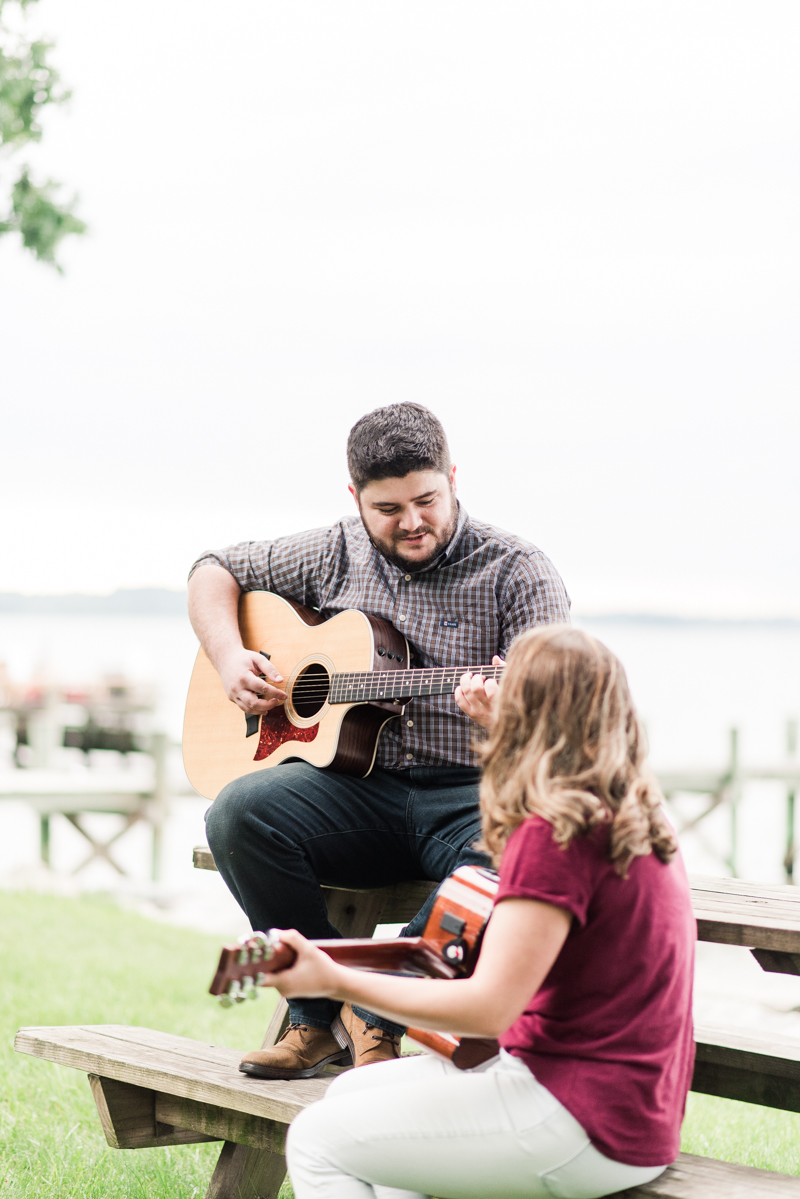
364	686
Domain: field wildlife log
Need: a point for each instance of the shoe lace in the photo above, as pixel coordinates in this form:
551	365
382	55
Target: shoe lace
292	1027
382	1036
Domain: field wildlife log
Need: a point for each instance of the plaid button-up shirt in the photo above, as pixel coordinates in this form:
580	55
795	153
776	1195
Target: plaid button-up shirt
484	589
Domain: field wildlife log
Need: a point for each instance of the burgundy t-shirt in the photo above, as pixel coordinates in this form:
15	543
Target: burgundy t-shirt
609	1032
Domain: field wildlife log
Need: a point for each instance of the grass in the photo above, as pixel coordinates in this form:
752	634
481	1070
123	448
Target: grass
86	962
742	1132
66	961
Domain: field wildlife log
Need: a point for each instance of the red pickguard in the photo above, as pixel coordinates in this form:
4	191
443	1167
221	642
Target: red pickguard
277	728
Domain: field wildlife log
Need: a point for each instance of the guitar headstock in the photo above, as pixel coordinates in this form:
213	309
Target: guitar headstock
243	967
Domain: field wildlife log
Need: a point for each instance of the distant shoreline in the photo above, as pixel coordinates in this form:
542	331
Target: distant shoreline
140	601
656	620
159	601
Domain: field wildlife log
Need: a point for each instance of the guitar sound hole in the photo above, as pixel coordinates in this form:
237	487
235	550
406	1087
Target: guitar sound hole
310	691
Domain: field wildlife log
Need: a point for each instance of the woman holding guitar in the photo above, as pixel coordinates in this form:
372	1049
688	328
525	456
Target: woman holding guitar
585	974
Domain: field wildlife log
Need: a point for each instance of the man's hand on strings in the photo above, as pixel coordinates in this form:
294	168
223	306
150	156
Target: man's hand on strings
475	696
251	681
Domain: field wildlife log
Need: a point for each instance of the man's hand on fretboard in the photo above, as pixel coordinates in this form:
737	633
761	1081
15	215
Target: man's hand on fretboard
475	696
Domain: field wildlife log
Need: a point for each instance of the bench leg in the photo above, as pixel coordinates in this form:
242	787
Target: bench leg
277	1025
128	1117
244	1173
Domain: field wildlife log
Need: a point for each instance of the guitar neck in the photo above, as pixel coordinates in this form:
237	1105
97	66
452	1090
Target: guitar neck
367	685
243	967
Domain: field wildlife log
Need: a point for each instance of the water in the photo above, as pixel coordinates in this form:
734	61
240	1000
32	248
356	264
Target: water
691	683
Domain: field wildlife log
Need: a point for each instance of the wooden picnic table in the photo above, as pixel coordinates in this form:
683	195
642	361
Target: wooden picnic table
729	911
155	1089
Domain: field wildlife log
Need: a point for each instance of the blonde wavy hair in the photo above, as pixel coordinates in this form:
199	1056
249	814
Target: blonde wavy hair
567	745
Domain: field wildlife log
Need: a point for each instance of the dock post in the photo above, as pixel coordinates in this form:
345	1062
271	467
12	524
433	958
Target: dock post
734	792
44	839
158	809
791	750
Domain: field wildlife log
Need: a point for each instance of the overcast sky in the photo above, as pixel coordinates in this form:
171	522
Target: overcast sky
571	229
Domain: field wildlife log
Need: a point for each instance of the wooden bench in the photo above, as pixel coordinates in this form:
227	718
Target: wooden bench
152	1088
155	1089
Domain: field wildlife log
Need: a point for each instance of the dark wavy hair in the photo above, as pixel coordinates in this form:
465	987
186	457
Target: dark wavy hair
391	442
567	745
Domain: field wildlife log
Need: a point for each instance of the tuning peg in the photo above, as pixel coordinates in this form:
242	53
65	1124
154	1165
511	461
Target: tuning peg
233	993
273	942
229	996
254	948
262	947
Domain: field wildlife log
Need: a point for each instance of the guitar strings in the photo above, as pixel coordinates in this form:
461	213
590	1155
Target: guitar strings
364	693
447	676
432	676
363	678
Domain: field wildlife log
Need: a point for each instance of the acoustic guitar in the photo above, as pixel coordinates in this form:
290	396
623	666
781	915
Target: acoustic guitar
448	949
344	678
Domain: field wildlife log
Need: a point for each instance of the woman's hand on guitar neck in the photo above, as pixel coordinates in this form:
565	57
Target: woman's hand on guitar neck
523	938
250	680
475	696
313	975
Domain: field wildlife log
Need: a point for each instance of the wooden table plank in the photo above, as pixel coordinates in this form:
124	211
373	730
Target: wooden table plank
728	911
782	1051
398	903
752	1067
172	1065
733	912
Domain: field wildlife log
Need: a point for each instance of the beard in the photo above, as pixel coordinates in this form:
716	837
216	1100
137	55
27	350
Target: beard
392	550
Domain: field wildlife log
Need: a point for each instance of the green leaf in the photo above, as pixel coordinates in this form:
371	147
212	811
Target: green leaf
39	218
27	85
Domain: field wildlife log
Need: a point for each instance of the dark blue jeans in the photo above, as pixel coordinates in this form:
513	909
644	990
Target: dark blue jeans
277	834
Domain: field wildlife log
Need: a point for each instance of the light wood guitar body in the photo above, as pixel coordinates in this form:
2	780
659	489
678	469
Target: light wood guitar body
307	651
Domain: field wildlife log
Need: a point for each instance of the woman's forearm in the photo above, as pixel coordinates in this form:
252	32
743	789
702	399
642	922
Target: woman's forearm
522	940
489	1002
464	1006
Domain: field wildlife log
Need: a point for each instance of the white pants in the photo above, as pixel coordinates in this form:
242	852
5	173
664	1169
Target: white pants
419	1127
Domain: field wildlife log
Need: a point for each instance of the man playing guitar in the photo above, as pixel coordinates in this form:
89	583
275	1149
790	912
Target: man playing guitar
460	591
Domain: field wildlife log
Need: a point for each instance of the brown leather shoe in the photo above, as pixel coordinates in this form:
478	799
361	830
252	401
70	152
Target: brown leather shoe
301	1052
367	1044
